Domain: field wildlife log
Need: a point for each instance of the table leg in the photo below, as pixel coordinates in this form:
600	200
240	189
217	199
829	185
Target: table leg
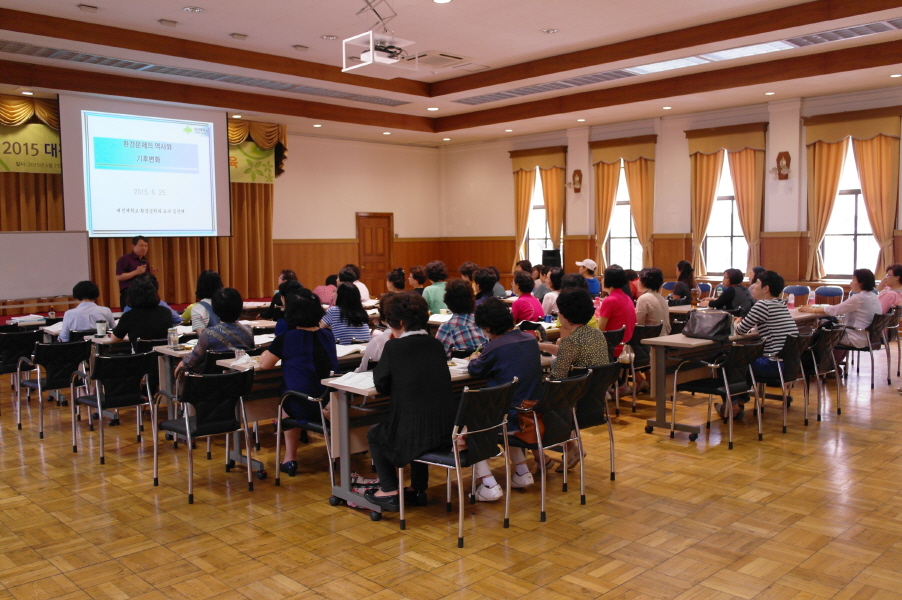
343	489
659	390
239	458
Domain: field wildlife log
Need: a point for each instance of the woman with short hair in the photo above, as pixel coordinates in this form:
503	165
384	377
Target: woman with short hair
460	331
147	320
351	274
202	315
275	305
417	279
435	293
228	335
484	281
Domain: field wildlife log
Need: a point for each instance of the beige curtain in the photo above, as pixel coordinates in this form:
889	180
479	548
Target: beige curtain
640	180
555	193
878	169
16	110
524	183
825	163
607	179
747	173
265	135
706	169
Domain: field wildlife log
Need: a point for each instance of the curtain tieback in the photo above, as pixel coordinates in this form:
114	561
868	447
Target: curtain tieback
886	243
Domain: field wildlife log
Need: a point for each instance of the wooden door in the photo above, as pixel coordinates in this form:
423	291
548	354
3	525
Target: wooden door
375	234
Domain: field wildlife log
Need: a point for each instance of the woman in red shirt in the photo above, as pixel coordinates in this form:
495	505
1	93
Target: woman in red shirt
617	309
526	307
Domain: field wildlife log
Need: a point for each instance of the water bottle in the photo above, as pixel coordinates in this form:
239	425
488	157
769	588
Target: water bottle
173	335
791	302
811	299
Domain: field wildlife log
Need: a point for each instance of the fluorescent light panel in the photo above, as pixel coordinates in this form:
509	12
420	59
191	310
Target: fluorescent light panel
744	51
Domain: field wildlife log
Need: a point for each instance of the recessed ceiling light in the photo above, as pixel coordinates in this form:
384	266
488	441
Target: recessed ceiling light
667	107
236	116
580	120
445	139
329	37
431	109
28	93
508	130
896	75
193	9
769	93
441	1
317	125
549	31
386	133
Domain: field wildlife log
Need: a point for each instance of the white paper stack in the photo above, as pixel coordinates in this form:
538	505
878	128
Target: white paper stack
361	381
264	339
342	351
56	328
27	319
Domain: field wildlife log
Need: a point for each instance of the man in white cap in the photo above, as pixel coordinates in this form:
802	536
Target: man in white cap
587	269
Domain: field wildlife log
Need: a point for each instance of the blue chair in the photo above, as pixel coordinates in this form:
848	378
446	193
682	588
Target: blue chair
796	290
829	291
704	288
669	285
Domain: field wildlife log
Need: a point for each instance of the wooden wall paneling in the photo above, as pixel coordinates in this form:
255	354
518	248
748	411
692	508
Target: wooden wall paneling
577	247
785	252
897	246
671	248
416	251
484	251
313	260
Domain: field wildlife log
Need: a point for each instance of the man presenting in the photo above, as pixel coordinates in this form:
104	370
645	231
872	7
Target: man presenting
134	264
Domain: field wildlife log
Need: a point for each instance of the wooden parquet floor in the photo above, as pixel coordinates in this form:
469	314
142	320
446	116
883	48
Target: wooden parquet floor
812	514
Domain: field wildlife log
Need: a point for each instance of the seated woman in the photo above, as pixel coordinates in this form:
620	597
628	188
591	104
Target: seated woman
460	331
307	352
685	282
417	279
526	307
351	274
274	310
377	343
413	371
347	319
147	320
509	353
202	315
395	280
326	293
734	296
435	293
651	307
484	281
288	290
227	335
549	302
617	309
891	288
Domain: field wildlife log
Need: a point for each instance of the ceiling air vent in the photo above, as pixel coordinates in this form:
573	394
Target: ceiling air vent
837	35
433	59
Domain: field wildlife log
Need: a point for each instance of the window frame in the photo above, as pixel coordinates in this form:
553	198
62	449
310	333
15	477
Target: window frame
632	228
546	239
855	235
731	237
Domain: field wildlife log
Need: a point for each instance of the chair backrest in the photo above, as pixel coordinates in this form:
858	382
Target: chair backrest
704	288
263	330
677	326
16	344
641	357
614	337
556	407
669	285
796	290
877	327
821	349
482	412
210	358
829	291
457	353
215	400
537	328
791	354
77	335
590	409
142	346
120	376
738	358
60	360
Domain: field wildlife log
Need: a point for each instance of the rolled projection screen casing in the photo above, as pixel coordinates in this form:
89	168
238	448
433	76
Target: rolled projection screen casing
41	264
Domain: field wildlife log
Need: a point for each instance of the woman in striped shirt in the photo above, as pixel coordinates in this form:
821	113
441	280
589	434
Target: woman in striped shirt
347	319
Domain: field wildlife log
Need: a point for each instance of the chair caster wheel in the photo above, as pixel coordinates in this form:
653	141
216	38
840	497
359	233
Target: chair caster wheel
375	516
672	435
693	437
231	463
649	429
334	500
168	437
261	475
114	422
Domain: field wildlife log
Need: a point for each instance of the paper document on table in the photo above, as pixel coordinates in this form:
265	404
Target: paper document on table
27	318
438	318
264	338
55	328
458	365
360	381
184	329
342	351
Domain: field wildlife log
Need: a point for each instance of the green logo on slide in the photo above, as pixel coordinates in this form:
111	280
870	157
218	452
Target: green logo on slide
187	129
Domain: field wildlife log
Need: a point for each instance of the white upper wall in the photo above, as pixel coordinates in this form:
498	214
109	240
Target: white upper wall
326	181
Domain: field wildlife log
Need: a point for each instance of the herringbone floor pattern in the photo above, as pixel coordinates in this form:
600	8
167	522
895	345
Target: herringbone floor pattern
812	514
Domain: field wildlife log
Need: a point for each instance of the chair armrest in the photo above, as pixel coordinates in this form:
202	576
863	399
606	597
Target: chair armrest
78	375
520	409
26	360
163	394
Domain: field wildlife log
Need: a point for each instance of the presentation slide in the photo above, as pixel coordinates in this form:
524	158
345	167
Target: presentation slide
153	170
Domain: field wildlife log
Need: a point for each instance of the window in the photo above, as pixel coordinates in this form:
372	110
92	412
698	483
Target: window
538	237
623	248
725	246
849	240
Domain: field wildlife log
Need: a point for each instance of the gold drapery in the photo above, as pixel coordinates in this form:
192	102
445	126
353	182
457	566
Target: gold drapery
524	183
825	163
640	180
747	173
265	135
706	169
555	194
877	160
244	261
15	110
31	202
860	129
607	180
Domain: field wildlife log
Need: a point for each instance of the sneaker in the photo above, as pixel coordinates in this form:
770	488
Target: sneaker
521	481
290	467
489	494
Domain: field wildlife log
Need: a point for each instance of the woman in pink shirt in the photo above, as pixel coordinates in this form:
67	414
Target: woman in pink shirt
526	307
617	309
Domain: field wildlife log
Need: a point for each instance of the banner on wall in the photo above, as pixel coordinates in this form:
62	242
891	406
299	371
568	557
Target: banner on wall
249	163
31	148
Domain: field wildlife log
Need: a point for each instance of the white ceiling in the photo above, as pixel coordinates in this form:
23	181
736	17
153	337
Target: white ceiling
495	33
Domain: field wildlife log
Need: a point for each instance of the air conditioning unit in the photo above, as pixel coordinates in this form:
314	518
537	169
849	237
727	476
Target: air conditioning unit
433	59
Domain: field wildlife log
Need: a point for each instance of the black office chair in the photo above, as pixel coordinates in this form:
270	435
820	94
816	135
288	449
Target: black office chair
537	328
217	403
876	339
321	427
819	361
729	377
481	417
142	346
77	335
13	346
558	409
640	359
55	364
789	361
592	409
120	381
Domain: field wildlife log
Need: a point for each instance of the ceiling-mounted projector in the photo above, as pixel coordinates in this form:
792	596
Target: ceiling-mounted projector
383	53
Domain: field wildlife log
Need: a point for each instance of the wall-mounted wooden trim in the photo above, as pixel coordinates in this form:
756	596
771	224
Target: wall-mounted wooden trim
628	141
321	241
670	236
538	151
825	63
726	130
853	115
583	236
798	15
66	29
73	80
785	234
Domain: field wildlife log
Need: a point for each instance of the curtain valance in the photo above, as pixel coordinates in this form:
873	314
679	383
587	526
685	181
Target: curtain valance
629	149
733	138
15	110
544	158
865	128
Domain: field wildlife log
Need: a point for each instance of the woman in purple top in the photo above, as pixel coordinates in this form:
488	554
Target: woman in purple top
526	307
